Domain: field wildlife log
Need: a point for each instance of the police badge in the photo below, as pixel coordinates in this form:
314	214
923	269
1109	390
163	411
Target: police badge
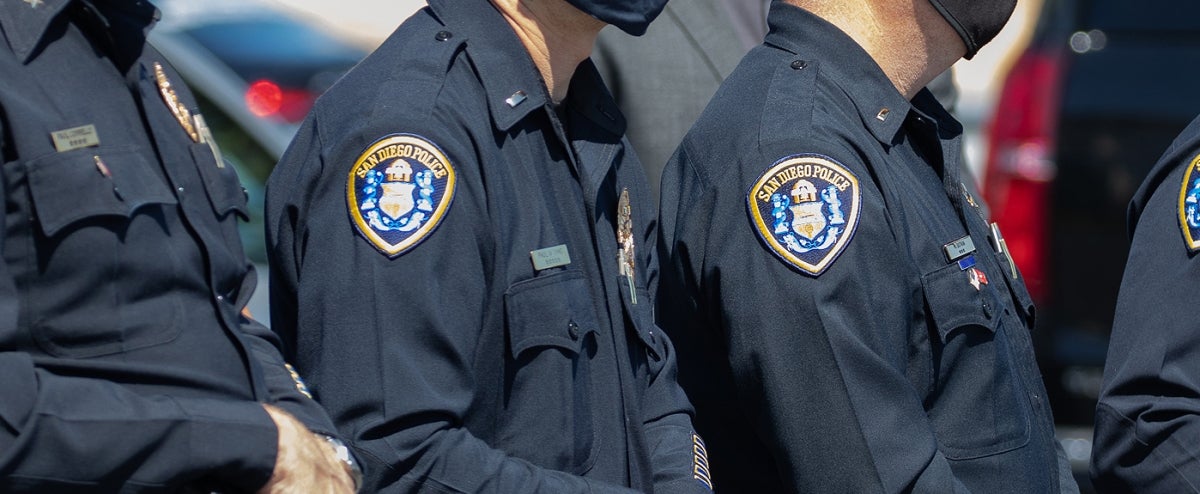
398	191
1189	206
805	208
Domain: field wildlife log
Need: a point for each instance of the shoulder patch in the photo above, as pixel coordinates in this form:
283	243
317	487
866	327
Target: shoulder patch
398	191
805	208
1189	205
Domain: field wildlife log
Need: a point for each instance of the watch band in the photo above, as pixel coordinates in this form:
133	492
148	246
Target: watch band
342	452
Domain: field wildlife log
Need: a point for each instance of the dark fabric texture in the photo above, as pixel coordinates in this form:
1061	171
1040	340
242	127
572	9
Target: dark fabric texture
1148	415
457	366
125	362
894	369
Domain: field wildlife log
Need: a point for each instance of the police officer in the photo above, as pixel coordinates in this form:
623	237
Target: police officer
461	243
1148	417
846	319
125	362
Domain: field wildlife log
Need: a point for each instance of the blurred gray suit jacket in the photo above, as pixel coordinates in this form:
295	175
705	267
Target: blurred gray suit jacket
664	79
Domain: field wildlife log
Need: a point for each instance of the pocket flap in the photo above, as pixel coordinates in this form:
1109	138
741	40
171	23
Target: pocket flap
955	302
221	182
554	310
69	187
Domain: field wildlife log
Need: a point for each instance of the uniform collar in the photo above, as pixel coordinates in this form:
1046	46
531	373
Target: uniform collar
25	24
511	81
26	21
882	108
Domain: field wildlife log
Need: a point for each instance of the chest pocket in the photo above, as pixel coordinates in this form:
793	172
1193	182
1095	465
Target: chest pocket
552	327
221	183
72	186
104	255
978	407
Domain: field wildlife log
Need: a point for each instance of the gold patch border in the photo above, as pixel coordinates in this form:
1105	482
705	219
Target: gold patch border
769	237
443	205
1193	244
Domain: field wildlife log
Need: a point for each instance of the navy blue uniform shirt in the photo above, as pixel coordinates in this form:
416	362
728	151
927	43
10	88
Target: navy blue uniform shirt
445	268
826	338
1148	417
125	363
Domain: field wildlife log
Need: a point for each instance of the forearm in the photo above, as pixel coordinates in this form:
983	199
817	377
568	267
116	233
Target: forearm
455	461
1144	452
677	453
87	434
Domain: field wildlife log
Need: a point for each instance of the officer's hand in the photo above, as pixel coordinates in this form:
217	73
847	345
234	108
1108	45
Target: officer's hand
306	462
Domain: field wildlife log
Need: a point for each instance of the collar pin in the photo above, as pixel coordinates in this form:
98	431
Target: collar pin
516	99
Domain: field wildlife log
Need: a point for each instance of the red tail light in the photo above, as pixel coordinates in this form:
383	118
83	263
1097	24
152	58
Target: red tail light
1020	164
266	99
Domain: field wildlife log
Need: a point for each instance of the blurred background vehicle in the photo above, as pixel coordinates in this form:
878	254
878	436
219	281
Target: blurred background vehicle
256	69
1098	95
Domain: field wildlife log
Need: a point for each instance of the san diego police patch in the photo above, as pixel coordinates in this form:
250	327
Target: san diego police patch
398	191
1189	205
805	208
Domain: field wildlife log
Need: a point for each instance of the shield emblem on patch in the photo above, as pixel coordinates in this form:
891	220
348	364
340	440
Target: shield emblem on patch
807	220
398	191
397	199
805	208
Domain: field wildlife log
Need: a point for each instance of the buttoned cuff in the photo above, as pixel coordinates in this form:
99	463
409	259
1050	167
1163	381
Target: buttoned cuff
237	441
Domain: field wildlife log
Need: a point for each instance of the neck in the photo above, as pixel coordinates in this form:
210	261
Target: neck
909	40
557	36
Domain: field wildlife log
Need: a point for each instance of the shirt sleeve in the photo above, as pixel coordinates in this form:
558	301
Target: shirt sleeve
816	366
389	345
285	387
61	432
1148	416
678	454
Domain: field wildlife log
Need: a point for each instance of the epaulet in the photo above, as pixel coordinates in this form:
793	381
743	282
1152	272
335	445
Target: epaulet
426	49
789	101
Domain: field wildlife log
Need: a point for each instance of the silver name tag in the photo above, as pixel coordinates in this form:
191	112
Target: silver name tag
959	248
550	257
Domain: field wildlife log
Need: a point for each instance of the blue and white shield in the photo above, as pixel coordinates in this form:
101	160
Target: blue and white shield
805	209
398	192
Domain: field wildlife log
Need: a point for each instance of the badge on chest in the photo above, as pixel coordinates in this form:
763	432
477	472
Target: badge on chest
398	191
805	208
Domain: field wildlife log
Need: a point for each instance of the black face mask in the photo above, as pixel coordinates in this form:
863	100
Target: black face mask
631	16
976	22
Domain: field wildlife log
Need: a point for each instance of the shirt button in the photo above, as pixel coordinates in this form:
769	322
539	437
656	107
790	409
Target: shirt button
799	64
443	35
987	309
179	189
220	298
573	330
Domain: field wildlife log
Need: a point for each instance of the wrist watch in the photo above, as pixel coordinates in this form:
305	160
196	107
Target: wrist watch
342	453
